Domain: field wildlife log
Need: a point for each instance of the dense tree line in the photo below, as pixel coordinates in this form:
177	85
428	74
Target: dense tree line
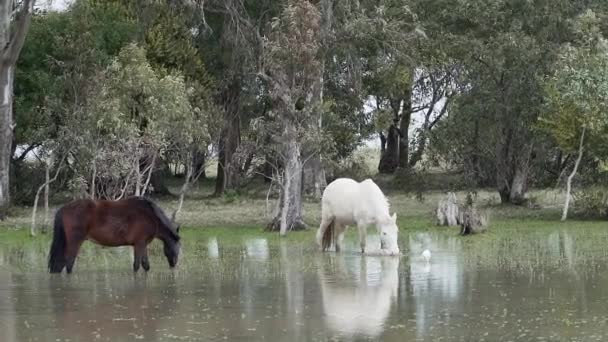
110	94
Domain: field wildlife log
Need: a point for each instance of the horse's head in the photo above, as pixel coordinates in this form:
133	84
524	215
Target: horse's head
172	247
388	234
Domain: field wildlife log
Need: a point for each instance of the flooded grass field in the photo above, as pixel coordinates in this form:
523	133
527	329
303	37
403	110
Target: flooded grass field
530	282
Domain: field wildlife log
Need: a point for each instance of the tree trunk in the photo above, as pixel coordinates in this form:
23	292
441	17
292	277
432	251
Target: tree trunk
581	149
404	126
512	164
159	179
447	211
47	183
504	167
182	192
267	170
44	186
199	159
6	134
289	213
404	140
314	177
389	160
14	23
518	191
230	139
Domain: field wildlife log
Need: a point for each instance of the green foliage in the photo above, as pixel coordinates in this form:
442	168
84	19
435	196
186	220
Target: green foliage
577	92
355	166
505	50
133	114
63	51
134	100
591	202
170	45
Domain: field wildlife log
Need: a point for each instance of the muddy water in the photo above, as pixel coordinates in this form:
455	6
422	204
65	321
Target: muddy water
544	286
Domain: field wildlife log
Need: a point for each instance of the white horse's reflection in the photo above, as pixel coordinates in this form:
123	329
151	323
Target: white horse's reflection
213	248
358	293
257	248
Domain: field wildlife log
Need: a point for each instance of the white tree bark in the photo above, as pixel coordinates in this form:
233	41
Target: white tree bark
518	186
43	186
149	169
191	178
447	211
93	178
182	193
6	133
581	149
291	208
11	43
47	183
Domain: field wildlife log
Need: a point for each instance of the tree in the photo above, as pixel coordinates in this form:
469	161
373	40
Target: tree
577	95
290	68
14	24
171	46
54	76
134	117
384	33
231	36
505	49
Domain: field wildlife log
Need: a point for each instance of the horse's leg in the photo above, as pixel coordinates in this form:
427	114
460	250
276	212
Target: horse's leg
362	236
340	229
145	263
138	253
72	252
321	231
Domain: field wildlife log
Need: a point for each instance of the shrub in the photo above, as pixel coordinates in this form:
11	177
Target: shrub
591	203
355	166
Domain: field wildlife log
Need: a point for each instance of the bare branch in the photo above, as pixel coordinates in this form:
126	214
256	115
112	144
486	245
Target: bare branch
46	183
22	24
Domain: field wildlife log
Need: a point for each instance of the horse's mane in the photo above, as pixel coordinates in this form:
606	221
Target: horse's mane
164	220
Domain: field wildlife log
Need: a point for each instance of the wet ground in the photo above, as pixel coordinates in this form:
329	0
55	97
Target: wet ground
536	286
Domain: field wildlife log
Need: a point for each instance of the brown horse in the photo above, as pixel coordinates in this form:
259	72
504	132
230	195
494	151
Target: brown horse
130	222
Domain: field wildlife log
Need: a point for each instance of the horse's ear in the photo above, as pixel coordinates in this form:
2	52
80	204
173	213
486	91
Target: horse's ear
394	217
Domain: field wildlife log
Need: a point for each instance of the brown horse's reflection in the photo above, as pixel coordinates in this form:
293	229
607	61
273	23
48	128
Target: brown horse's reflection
115	307
358	293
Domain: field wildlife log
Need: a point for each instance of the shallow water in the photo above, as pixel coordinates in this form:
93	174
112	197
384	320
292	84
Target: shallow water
539	286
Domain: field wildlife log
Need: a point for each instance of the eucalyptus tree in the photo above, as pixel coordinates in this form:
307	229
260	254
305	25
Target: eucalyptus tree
14	23
290	69
577	94
504	48
54	77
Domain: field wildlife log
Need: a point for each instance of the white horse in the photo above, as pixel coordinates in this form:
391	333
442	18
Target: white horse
346	202
360	303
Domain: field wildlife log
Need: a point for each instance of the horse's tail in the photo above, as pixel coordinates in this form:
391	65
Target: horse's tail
328	235
57	259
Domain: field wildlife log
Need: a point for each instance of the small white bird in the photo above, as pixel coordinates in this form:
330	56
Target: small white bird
426	255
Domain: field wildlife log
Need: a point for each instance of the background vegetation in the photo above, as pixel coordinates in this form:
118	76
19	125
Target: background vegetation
263	102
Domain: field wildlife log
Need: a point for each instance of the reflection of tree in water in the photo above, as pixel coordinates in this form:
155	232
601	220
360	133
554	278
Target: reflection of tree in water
436	285
358	293
260	293
112	306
